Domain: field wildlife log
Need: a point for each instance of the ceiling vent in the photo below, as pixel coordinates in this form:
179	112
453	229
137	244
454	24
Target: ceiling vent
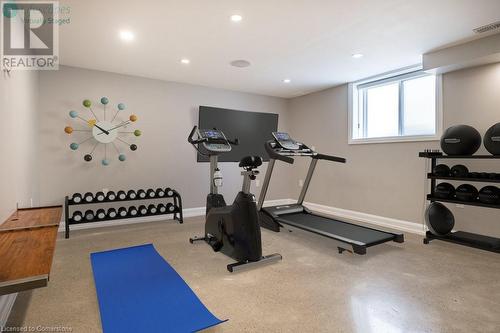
487	28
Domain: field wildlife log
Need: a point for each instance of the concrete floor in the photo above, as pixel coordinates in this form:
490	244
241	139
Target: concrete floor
407	287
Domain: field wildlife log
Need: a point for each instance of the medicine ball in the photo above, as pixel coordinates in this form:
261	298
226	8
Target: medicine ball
492	139
466	192
441	170
459	170
444	191
439	219
489	195
460	140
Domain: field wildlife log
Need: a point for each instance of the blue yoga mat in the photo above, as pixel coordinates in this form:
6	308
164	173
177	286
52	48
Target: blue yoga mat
138	291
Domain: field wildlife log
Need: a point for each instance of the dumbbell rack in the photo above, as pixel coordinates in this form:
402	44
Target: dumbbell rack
461	237
177	212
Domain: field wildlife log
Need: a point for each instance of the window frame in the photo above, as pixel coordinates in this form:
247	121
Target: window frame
387	78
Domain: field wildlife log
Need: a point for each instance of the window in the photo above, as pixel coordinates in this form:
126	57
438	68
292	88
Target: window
402	106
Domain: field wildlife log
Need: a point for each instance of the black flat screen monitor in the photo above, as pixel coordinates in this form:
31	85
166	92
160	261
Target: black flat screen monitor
252	129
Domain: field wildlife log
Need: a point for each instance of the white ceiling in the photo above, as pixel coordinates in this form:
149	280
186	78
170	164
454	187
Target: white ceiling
308	41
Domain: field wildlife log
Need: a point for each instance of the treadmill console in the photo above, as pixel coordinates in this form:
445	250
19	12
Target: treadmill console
214	140
285	141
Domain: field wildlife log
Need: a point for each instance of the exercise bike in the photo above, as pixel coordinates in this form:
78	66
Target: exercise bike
233	230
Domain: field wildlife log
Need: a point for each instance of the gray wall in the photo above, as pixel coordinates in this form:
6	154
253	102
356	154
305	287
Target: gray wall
388	179
18	130
167	111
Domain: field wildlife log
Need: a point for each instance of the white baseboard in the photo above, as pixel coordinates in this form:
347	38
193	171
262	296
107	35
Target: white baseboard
6	304
376	220
342	214
188	212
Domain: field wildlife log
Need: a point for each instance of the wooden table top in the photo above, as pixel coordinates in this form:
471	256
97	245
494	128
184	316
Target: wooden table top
27	247
32	218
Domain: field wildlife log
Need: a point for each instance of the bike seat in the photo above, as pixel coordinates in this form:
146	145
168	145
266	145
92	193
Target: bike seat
250	162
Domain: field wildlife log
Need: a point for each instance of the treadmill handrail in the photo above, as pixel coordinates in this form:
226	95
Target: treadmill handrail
275	156
329	158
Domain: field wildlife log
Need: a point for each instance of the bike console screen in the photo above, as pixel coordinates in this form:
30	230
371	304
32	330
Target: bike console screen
215	140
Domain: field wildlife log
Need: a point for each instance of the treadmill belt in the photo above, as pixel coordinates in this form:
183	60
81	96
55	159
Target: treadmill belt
344	231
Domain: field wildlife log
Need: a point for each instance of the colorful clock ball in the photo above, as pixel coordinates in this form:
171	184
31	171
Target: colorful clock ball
91	122
121	106
104	100
137	132
73	114
68	129
133	147
133	117
87	158
105	162
74	146
122	157
87	103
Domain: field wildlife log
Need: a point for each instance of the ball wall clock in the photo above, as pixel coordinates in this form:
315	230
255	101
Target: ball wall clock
105	128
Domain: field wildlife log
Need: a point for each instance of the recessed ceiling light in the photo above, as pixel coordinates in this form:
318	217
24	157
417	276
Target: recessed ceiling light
357	55
126	35
185	61
240	63
236	18
287	80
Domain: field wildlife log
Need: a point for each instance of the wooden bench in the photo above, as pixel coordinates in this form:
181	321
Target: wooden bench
27	244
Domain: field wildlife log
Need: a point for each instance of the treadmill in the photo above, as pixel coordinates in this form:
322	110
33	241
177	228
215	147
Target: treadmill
348	237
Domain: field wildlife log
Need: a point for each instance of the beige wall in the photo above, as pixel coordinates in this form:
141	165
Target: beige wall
388	179
18	98
167	111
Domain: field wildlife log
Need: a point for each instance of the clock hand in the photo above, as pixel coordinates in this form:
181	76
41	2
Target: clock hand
102	129
118	126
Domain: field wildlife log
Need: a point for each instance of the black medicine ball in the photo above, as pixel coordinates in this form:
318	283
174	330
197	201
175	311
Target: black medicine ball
491	139
441	170
459	170
439	219
489	195
466	192
444	191
460	140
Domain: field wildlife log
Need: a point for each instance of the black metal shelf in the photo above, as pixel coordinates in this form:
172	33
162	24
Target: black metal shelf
467	179
468	203
436	156
461	237
71	203
177	202
72	222
468	239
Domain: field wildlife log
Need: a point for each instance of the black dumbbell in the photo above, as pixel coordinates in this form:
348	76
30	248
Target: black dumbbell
152	209
169	192
77	198
88	197
100	214
121	195
100	196
170	207
111	195
162	209
160	193
89	215
122	212
77	216
112	213
141	194
143	210
131	194
150	193
132	211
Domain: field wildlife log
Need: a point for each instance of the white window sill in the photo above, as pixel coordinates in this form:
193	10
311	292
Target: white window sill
395	139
